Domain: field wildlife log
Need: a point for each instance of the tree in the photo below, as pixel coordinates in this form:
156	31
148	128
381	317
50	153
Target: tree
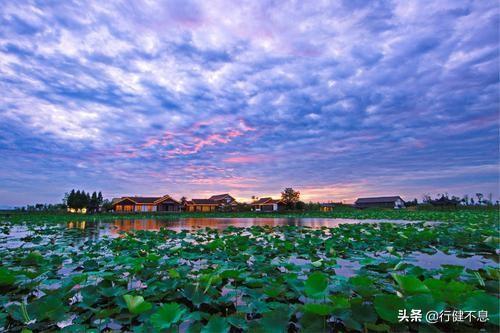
70	201
479	198
93	204
300	205
290	197
107	205
79	200
426	198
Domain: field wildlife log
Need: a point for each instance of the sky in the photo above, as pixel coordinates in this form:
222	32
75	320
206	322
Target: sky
337	99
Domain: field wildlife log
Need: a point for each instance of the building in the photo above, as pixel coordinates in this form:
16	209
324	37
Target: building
202	205
226	201
223	198
382	202
146	204
218	202
267	205
326	207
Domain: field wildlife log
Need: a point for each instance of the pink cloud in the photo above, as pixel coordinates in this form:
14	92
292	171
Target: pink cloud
245	159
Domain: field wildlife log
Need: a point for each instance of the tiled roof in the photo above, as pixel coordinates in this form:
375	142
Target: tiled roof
143	200
268	201
378	200
203	202
220	196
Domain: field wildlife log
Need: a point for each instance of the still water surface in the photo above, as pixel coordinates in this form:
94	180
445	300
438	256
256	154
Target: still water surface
114	227
94	230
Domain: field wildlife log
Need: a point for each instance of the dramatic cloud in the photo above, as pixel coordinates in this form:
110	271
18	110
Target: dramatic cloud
199	97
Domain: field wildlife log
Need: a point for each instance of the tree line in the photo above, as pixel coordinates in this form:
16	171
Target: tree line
466	200
79	200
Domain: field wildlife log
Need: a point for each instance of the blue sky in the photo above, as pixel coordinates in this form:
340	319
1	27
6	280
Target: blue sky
336	99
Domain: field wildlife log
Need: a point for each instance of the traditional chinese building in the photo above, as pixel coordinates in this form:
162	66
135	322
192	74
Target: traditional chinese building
146	204
267	205
326	207
202	205
382	202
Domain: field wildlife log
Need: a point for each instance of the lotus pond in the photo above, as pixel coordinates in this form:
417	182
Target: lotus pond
96	276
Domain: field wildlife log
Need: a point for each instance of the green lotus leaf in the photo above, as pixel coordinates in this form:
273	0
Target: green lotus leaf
168	315
410	285
492	242
238	321
363	285
7	277
481	301
49	307
137	304
339	302
274	290
275	321
174	274
3	319
377	327
388	306
216	324
195	295
316	285
230	274
363	312
321	309
451	272
424	302
34	258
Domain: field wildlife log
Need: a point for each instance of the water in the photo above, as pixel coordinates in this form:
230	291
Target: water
346	267
95	230
350	267
113	228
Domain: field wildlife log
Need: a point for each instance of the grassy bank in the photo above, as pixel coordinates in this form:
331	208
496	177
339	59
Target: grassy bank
456	215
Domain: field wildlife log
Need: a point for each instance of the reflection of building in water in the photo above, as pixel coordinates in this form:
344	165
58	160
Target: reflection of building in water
96	229
77	224
137	224
214	223
89	229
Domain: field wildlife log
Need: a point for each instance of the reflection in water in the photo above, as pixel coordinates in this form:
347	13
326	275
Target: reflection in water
114	228
77	224
94	230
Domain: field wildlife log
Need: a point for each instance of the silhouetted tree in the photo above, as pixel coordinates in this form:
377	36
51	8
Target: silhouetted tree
479	198
93	204
300	205
107	205
290	197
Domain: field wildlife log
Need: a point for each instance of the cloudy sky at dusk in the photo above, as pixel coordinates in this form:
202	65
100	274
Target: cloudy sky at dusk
336	99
